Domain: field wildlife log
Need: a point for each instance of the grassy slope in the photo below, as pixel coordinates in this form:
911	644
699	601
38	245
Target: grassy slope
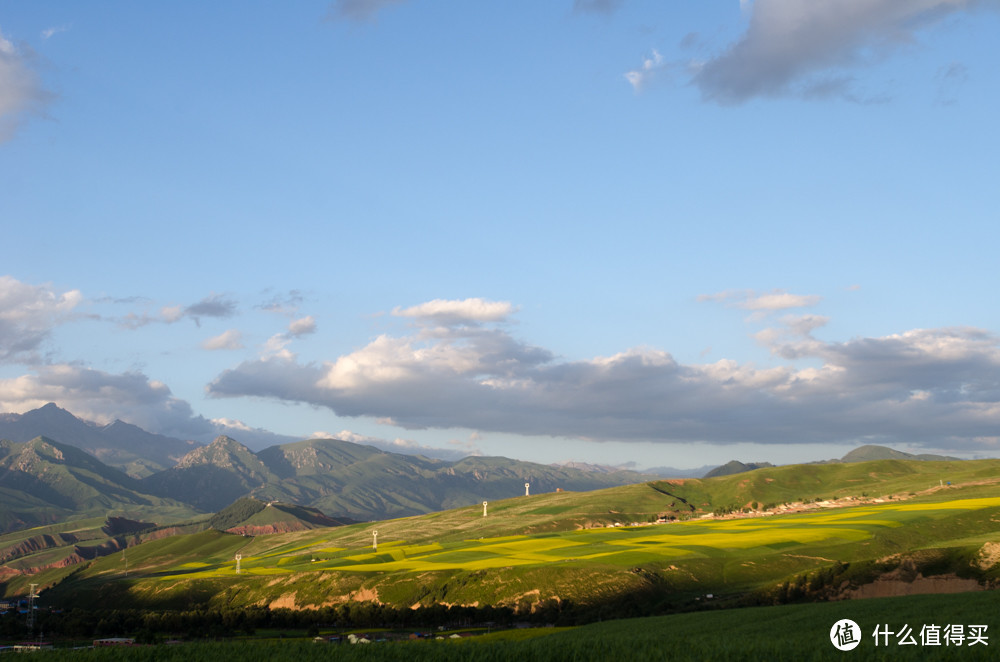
794	632
45	482
529	549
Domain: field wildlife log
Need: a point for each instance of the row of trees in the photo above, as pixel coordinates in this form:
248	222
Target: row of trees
226	622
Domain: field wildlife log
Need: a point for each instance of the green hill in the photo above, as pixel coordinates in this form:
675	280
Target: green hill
599	548
872	452
43	481
249	516
736	467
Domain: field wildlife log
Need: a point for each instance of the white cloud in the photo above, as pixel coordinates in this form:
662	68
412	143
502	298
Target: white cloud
483	379
102	397
232	424
764	303
172	314
780	301
650	68
465	311
808	48
132	397
231	339
49	32
302	326
27	315
21	93
276	347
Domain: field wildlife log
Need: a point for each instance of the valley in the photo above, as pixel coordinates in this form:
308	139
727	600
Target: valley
292	530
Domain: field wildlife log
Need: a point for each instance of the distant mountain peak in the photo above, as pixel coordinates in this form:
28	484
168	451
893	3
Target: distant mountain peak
736	467
222	452
870	452
50	410
118	444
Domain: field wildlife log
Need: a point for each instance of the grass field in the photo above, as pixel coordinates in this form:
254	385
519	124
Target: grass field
558	546
616	546
687	558
793	632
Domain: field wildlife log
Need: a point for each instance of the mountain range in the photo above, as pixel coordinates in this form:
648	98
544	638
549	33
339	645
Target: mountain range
43	481
344	479
54	466
867	453
49	478
118	444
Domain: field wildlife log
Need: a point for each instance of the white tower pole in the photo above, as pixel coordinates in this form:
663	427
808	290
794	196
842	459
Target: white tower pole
527	488
484	509
239	558
31	606
375	540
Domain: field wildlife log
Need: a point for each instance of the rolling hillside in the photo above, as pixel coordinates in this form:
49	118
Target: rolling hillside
43	481
529	552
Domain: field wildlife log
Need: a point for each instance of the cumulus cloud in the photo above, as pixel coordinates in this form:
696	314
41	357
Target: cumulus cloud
359	10
21	92
452	311
103	397
302	326
937	386
652	66
28	313
807	48
231	339
762	302
132	397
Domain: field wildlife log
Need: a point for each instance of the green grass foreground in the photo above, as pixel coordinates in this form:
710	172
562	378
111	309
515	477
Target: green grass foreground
790	632
681	560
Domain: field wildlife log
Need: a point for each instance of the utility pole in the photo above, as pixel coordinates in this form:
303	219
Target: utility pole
31	608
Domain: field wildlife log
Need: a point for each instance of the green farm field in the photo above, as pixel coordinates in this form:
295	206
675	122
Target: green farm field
623	546
530	550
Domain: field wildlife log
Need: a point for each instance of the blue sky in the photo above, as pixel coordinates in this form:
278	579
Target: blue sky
664	233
